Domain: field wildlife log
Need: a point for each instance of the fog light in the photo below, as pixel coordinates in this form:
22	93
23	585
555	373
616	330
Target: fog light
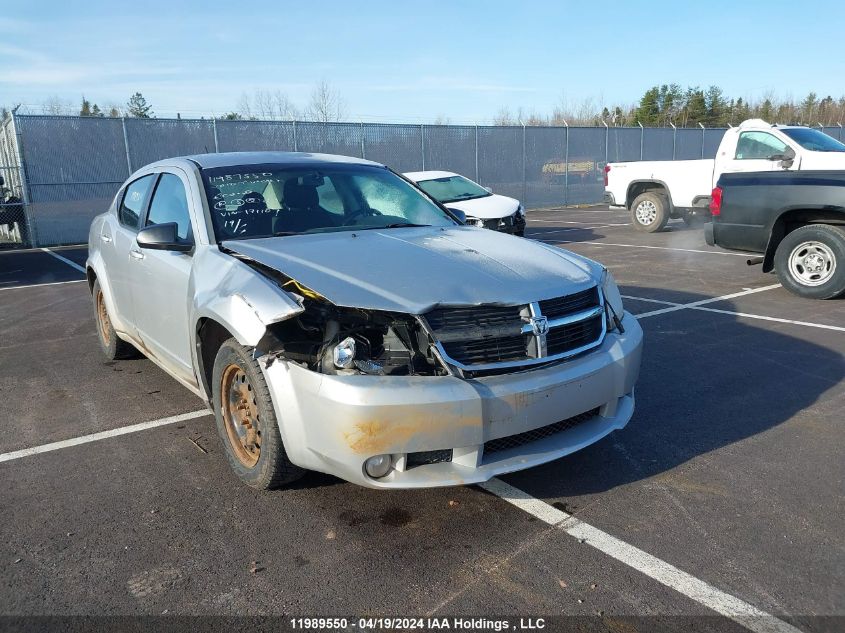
378	466
344	353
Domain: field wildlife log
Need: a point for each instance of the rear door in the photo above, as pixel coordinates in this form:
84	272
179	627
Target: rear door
117	239
160	279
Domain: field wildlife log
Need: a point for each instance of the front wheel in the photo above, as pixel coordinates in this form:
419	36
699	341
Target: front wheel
246	420
650	212
810	261
113	347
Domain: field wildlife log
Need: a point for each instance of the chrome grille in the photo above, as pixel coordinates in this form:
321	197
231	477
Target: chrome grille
521	439
482	340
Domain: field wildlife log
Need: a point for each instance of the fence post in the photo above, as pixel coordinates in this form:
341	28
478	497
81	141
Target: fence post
294	136
126	145
216	142
674	137
27	207
840	131
524	179
422	144
702	138
566	166
476	153
363	151
642	138
606	140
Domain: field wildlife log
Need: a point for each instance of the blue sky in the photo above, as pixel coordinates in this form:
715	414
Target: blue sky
414	61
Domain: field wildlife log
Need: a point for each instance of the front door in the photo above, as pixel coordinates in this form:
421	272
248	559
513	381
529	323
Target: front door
161	280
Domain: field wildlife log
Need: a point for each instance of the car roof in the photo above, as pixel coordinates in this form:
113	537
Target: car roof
238	159
417	176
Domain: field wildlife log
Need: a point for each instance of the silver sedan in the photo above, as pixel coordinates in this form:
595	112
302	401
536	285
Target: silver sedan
336	318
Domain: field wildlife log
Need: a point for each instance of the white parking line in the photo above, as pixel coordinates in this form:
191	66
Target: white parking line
701	592
52	283
746	315
530	220
659	248
686	306
102	435
70	263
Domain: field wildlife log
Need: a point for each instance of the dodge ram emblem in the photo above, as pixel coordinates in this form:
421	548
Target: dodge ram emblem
540	325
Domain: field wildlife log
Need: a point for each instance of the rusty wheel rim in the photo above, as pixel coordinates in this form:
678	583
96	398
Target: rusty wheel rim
240	415
103	318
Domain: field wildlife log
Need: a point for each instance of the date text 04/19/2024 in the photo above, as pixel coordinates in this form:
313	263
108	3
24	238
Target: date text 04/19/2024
468	625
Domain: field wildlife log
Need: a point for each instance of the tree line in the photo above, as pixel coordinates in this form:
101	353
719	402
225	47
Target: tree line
661	106
670	104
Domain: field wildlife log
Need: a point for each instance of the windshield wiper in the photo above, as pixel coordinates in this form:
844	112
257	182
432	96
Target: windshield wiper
285	233
402	225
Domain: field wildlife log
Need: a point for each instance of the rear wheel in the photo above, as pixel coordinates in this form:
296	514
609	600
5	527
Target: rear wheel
650	212
810	261
113	347
246	420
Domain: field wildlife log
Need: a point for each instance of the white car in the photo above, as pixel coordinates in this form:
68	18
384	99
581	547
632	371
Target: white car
481	206
655	191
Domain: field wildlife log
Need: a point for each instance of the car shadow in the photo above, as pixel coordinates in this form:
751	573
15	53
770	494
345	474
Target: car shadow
707	381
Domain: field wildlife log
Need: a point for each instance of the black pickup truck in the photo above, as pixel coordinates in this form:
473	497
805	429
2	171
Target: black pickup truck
795	219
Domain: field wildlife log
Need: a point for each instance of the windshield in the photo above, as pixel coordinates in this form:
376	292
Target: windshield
814	140
265	200
452	189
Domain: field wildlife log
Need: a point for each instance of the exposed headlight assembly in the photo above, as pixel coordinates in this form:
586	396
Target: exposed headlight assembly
520	210
612	301
474	222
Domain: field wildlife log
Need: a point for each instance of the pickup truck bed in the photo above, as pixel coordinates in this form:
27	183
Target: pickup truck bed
795	219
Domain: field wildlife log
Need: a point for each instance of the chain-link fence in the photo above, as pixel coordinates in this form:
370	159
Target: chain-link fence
61	171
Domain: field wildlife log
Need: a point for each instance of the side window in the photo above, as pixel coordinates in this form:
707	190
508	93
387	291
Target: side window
758	145
329	198
170	204
133	202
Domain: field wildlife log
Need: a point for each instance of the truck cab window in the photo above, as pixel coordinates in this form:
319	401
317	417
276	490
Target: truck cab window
758	146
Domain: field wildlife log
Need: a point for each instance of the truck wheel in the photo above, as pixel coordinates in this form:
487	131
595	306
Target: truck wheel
113	347
246	420
810	261
650	212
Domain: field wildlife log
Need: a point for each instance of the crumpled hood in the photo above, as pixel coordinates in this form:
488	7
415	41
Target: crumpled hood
488	207
413	270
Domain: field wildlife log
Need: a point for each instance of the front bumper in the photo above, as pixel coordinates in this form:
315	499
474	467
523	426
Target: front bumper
333	424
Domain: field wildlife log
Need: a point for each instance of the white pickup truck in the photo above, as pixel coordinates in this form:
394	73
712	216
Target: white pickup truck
655	191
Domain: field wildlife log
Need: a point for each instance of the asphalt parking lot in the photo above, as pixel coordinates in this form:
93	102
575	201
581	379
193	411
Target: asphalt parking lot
724	494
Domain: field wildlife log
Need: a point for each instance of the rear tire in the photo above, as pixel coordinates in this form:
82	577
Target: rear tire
246	420
113	347
810	261
650	212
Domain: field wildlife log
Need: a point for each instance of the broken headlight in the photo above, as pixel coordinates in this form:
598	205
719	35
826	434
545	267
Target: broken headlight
612	301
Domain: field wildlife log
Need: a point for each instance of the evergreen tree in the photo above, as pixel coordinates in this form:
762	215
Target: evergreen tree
648	112
114	112
138	106
95	110
85	110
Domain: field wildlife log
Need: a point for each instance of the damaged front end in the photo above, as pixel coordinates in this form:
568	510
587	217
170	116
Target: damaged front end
337	340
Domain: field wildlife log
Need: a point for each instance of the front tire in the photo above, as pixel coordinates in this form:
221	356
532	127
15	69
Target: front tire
650	212
810	261
246	420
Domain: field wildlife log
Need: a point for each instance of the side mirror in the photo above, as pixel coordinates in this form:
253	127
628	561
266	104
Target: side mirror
459	215
162	237
788	158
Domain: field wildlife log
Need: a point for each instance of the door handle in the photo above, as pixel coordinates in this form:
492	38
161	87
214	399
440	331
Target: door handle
136	254
105	238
